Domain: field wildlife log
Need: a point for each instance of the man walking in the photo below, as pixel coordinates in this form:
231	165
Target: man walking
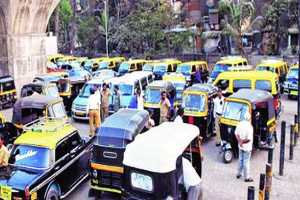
4	153
244	136
218	110
94	115
105	94
165	106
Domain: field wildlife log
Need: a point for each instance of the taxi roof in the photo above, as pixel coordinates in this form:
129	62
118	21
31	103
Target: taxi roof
36	101
135	61
206	88
46	133
158	149
272	62
200	62
247	75
178	77
160	84
253	96
231	60
4	79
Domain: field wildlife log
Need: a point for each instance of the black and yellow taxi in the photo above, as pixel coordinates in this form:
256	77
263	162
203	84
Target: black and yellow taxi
8	94
48	161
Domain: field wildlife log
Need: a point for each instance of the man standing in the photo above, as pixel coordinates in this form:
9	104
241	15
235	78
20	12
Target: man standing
140	99
244	136
218	110
179	116
116	98
105	94
4	153
165	106
94	115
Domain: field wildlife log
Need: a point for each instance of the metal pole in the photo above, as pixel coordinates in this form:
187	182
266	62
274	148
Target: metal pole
251	193
106	25
268	181
262	185
291	142
296	125
270	156
282	148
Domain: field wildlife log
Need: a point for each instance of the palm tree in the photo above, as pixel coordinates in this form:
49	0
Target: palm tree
238	19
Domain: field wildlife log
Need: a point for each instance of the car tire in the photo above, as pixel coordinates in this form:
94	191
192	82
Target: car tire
228	156
195	193
53	193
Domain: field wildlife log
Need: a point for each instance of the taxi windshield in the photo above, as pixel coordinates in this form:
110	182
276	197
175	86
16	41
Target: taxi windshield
185	69
265	68
31	156
86	91
152	96
193	102
293	73
235	110
126	89
160	68
103	65
148	68
124	66
53	91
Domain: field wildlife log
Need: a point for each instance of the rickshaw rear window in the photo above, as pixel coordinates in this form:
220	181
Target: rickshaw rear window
160	68
126	89
184	69
152	96
263	85
8	86
235	110
238	84
194	102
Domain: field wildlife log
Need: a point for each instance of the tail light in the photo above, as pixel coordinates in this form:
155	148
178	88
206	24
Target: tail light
27	193
190	120
276	103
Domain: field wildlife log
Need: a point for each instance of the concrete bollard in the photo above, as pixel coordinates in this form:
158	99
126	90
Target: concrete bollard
251	193
268	181
292	135
262	184
282	148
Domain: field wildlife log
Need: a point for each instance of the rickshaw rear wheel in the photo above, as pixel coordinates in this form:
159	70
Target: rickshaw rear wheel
227	156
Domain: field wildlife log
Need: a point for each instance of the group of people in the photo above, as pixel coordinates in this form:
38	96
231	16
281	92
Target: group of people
199	76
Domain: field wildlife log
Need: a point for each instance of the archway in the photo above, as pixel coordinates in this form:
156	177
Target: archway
3	45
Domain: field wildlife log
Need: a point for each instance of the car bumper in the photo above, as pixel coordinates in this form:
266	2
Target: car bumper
80	115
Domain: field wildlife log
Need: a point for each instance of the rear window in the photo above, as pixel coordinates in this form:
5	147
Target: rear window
8	86
263	85
238	84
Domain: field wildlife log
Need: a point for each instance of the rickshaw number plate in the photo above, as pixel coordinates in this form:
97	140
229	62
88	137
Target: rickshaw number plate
294	92
5	192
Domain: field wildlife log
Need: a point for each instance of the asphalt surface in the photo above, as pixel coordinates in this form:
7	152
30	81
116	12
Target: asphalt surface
219	179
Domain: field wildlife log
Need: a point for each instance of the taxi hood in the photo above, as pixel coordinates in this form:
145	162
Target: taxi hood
18	178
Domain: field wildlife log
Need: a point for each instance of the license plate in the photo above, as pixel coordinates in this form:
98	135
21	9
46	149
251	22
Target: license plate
5	192
79	114
294	92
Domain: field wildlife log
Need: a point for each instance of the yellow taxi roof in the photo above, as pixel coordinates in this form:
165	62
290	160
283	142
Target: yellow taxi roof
231	60
174	77
200	62
99	59
46	134
247	74
55	56
294	66
135	61
271	63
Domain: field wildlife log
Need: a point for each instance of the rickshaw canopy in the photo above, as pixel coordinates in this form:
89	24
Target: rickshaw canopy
158	149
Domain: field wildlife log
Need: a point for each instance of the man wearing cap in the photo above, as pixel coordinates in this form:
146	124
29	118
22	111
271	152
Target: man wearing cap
244	136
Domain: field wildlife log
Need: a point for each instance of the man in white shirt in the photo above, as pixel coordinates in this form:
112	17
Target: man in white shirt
218	110
244	136
94	112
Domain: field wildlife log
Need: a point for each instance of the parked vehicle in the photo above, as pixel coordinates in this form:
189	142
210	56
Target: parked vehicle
291	83
179	81
165	66
8	93
189	68
152	97
279	67
131	66
231	82
43	88
48	161
104	73
155	164
198	108
228	63
117	131
92	65
259	104
111	63
28	109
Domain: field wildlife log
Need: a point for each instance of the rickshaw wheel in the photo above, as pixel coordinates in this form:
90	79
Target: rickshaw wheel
227	156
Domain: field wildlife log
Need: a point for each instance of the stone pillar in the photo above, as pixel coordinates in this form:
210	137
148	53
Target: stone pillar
23	24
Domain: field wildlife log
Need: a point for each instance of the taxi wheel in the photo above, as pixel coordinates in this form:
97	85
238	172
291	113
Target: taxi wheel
227	156
53	193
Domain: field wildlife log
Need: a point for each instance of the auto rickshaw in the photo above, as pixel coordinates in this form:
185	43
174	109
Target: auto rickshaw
8	131
153	95
228	63
198	108
230	82
280	67
188	68
165	66
8	93
43	88
155	164
111	63
291	83
93	64
179	81
131	66
259	104
117	131
31	108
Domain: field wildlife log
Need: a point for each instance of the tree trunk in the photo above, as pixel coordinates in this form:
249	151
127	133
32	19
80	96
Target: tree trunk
56	22
73	27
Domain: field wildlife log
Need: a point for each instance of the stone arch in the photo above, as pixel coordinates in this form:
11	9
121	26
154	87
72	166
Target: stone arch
3	44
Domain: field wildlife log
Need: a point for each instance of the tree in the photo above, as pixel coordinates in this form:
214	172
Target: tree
65	16
238	19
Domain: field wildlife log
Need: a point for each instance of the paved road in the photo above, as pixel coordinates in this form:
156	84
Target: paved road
219	179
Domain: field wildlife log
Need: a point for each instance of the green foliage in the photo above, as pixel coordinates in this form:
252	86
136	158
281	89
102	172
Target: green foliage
65	12
87	31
